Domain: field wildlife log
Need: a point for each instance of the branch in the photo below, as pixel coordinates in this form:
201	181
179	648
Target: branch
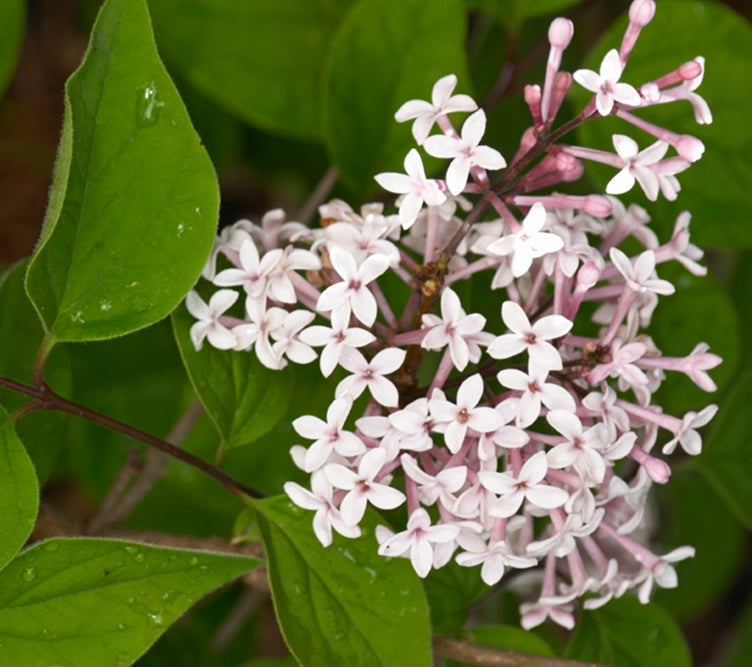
485	656
47	399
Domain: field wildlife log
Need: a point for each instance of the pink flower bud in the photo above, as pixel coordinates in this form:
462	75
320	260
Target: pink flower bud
587	276
690	148
690	70
641	12
650	92
659	471
560	33
598	206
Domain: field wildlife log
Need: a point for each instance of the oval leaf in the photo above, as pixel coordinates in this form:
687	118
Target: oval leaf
243	398
101	602
239	52
385	53
134	201
725	455
626	633
19	492
715	188
343	605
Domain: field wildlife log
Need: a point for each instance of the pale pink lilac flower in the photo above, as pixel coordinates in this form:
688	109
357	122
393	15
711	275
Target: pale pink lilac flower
371	374
534	392
605	84
495	557
208	316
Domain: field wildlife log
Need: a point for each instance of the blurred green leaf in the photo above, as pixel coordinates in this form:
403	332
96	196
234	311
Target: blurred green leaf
21	335
19	492
385	53
741	645
244	399
342	605
716	189
693	514
12	24
134	201
726	457
262	60
450	590
512	12
138	379
626	633
101	602
681	321
506	638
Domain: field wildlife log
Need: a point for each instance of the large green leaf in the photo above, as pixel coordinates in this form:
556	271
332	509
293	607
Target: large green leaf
626	633
21	334
385	53
450	591
79	602
262	60
506	638
716	188
12	15
726	451
19	492
343	605
244	399
511	12
693	514
134	201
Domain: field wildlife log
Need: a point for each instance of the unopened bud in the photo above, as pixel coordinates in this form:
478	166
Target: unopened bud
587	276
641	12
690	148
598	206
560	33
690	70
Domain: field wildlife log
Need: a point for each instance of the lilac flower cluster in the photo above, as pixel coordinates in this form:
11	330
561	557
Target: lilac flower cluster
533	443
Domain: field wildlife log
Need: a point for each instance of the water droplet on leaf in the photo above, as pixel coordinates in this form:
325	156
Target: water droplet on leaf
29	574
148	106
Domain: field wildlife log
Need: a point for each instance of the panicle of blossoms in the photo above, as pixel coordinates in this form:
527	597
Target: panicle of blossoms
532	444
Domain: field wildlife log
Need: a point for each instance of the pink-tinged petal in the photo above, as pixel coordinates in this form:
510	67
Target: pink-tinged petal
453	478
385	497
545	355
353	507
555	397
442	146
454	436
317	455
484	420
451	307
648	181
421	557
542	243
528	409
413	471
358	337
396	545
435	339
547	497
343	263
412	109
316	336
513	379
352	386
221	338
384	392
222	300
432	194
322	528
457	174
471	324
441	410
503	246
535	219
198	334
623	182
510	437
515	318
353	361
565	423
196	306
332	297
497	482
653	153
409	209
373	267
474	128
506	345
588	79
604	103
364	306
302	497
422	127
644	265
460	103
442	90
349	444
336	413
340	477
552	326
329	359
394	182
372	463
626	94
489	158
388	360
507	505
522	261
414	166
470	392
442	533
625	146
534	469
492	570
310	427
611	68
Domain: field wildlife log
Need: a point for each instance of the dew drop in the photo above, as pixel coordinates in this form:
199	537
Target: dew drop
51	546
181	228
122	626
29	574
130	549
105	305
139	558
193	561
77	317
148	105
157	618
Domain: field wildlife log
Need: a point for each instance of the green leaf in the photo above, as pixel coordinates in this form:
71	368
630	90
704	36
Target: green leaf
21	334
12	23
726	456
134	201
693	514
715	189
626	633
262	60
385	53
101	602
244	399
342	605
19	492
681	321
741	647
450	590
512	12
